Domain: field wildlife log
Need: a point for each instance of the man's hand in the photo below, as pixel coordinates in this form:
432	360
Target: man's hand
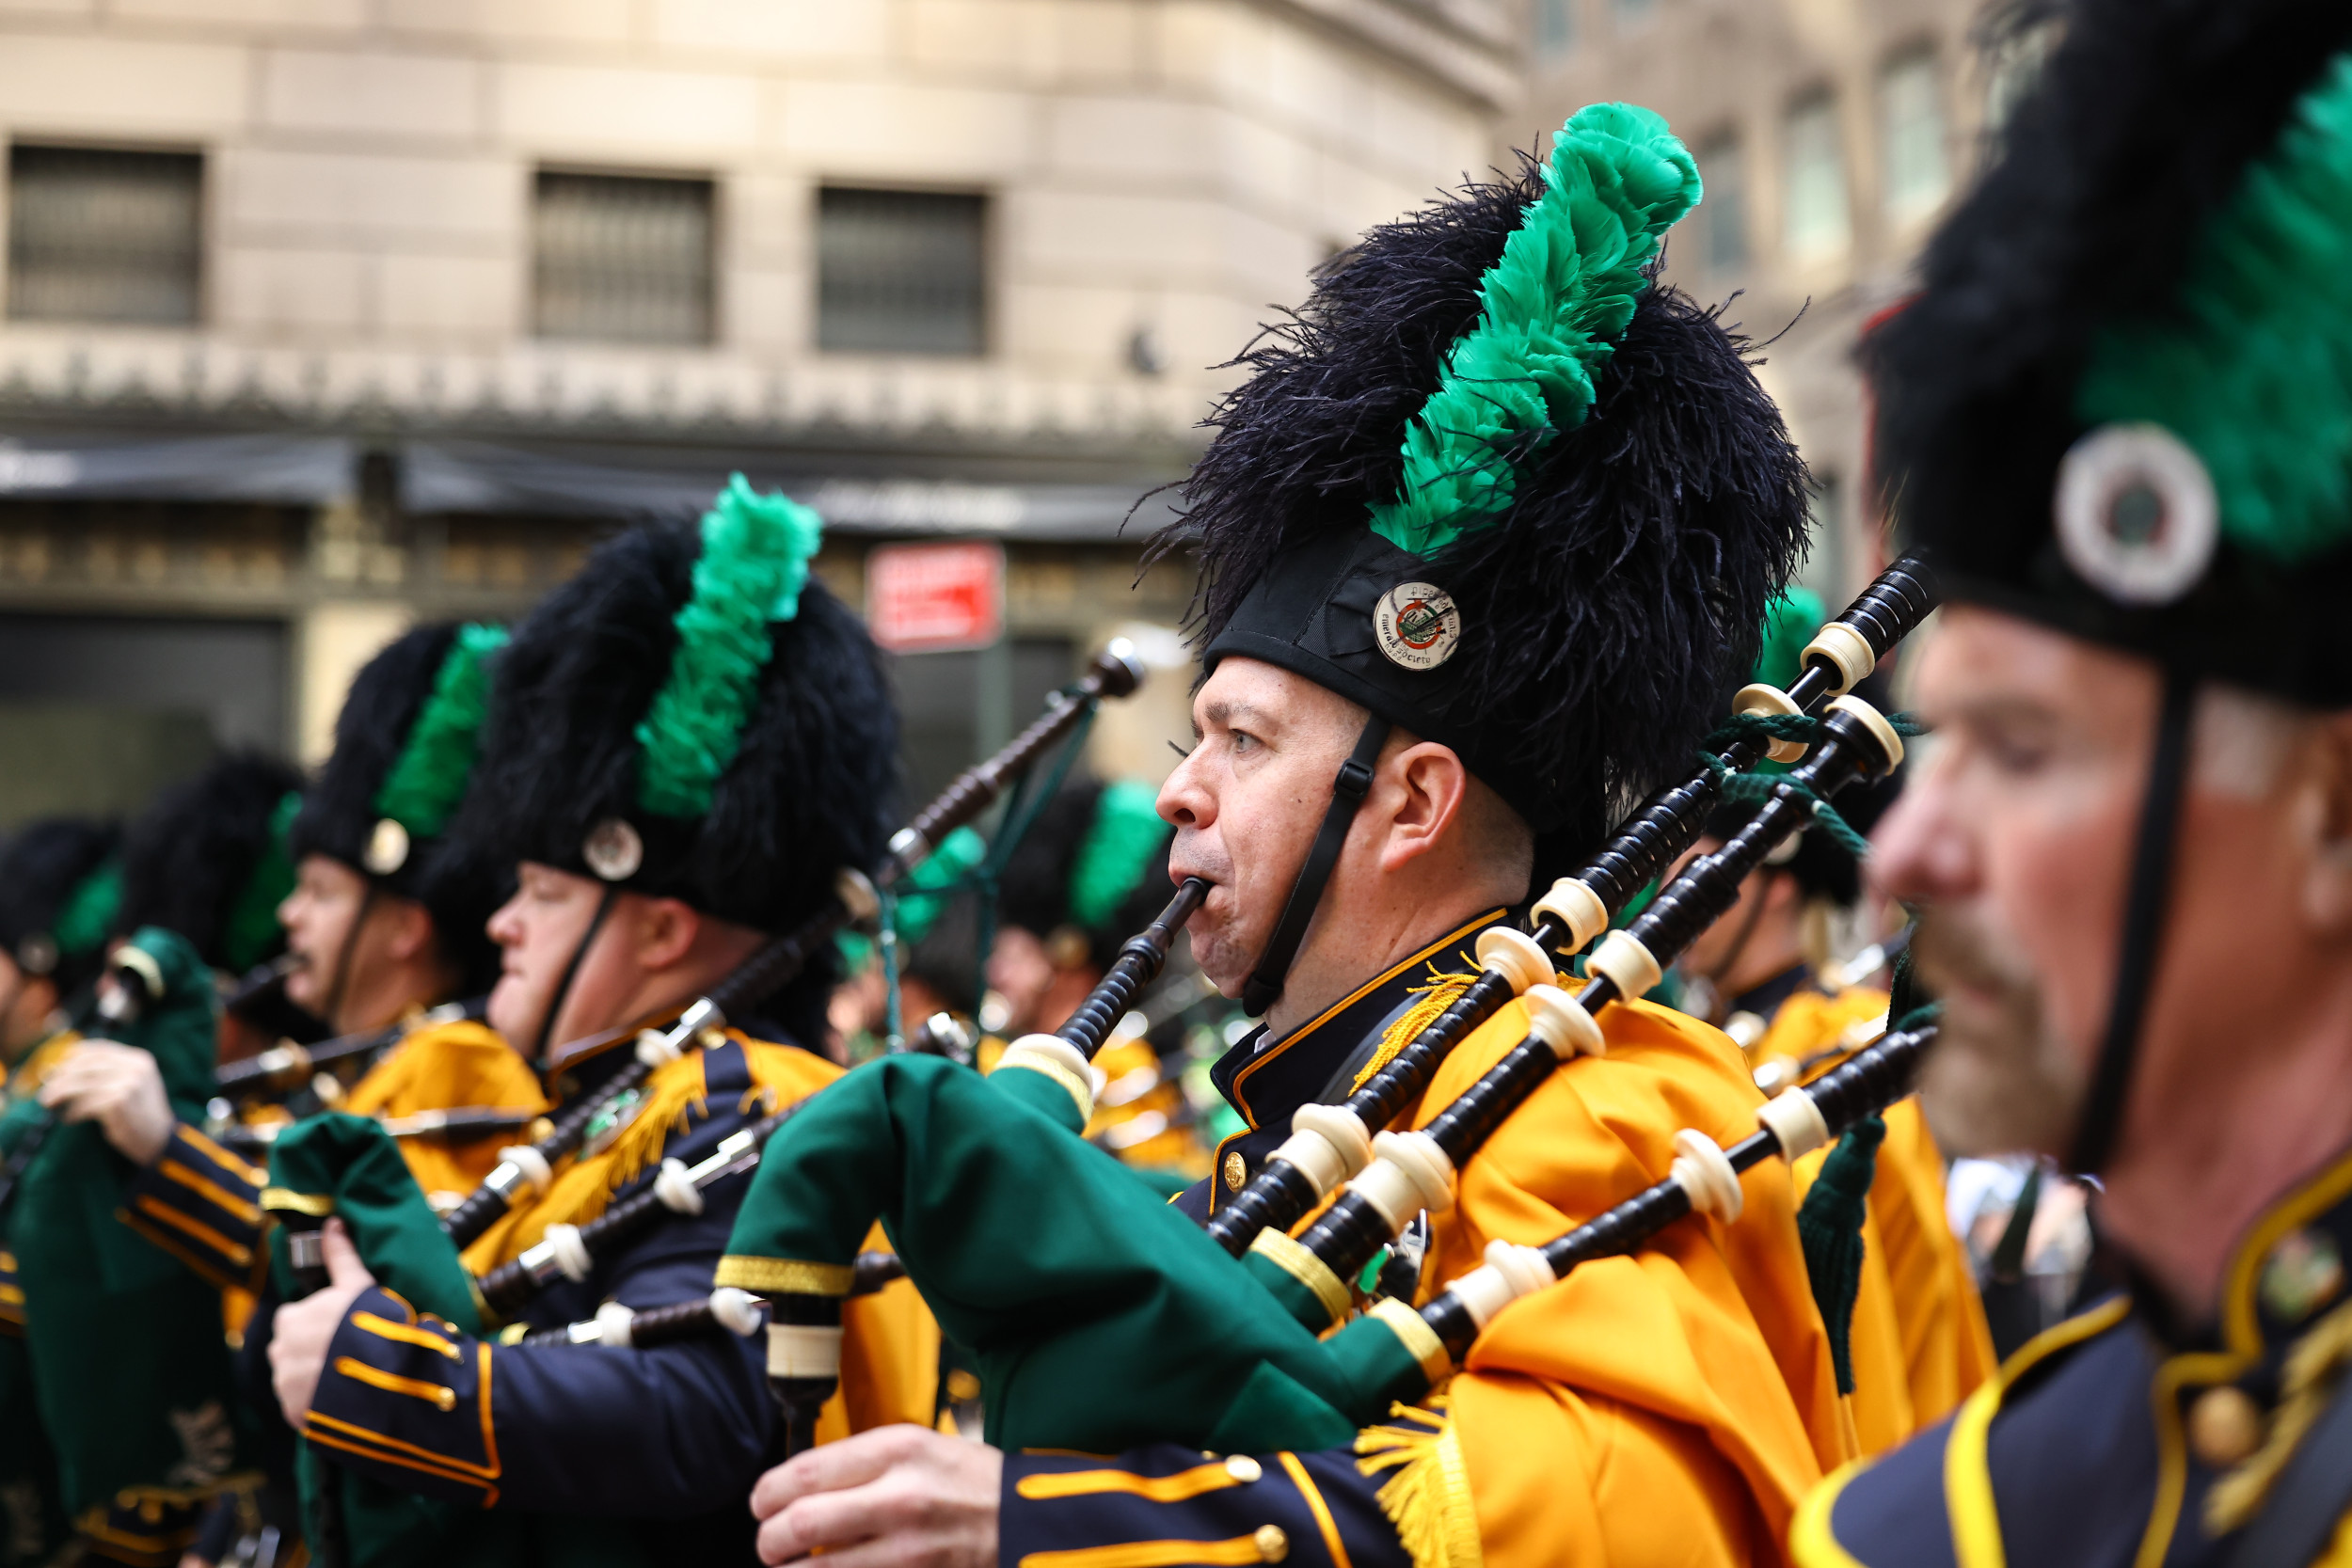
120	1088
903	1496
298	1346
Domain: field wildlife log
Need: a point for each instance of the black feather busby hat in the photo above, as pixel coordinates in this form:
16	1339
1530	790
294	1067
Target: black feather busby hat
2120	403
405	746
60	889
211	857
694	716
1496	485
1092	870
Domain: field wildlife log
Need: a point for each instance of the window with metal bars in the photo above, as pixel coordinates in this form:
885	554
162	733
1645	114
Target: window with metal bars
97	234
621	258
901	272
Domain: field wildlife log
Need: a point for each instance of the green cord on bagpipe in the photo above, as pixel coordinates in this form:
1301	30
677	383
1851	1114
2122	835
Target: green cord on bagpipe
1767	778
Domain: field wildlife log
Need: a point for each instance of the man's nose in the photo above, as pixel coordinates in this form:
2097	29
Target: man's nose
1183	802
1922	852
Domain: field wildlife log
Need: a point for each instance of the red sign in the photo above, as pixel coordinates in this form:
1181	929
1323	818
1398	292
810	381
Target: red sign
932	599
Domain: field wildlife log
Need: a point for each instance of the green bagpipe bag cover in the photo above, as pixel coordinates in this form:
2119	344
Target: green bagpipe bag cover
129	1361
357	1166
1097	1316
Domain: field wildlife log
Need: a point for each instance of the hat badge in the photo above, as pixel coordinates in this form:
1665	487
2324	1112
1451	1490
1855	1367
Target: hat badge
2137	514
1417	626
387	847
614	850
36	953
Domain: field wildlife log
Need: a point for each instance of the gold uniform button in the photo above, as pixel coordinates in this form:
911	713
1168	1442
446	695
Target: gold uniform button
2224	1426
1236	1170
445	1397
1243	1468
1273	1545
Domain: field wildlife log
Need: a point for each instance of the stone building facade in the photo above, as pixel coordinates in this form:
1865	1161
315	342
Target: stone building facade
325	315
1830	135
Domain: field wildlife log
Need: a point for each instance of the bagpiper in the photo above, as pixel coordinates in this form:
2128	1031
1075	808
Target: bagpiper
384	922
59	889
687	744
1486	538
2119	414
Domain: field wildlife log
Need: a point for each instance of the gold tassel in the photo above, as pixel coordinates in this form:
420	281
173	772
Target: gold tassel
674	1096
2307	1379
1427	1498
1436	997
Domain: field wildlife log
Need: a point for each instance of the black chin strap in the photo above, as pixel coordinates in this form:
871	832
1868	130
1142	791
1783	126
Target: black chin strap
1258	991
343	959
571	970
2147	901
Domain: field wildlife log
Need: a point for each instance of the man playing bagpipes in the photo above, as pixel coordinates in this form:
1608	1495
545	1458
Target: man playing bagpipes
384	919
1919	1344
122	1371
207	860
1486	539
686	743
60	888
2120	414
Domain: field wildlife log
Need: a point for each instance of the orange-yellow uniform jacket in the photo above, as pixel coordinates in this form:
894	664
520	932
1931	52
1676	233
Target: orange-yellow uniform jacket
1139	1115
666	1442
1919	1341
1667	1408
202	1203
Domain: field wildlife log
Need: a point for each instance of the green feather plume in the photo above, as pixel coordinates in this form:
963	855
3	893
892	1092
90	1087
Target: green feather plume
754	563
88	914
428	779
1549	314
2254	368
253	930
1789	623
1116	851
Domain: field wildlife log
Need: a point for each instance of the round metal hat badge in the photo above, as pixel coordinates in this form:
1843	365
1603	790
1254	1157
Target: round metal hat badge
2137	513
1417	626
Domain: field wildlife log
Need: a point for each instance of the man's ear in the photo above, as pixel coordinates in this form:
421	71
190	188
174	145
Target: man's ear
1431	786
409	929
665	930
2325	814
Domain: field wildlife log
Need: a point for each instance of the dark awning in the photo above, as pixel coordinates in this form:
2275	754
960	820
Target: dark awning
290	469
471	476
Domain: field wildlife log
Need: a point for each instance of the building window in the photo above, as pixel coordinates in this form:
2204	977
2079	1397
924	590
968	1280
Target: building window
1630	14
1817	223
621	259
104	236
1555	27
1722	210
1911	110
900	272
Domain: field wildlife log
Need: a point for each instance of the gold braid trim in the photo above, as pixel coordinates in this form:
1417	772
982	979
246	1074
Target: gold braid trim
2307	1380
1428	1497
285	1200
1436	997
784	1276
